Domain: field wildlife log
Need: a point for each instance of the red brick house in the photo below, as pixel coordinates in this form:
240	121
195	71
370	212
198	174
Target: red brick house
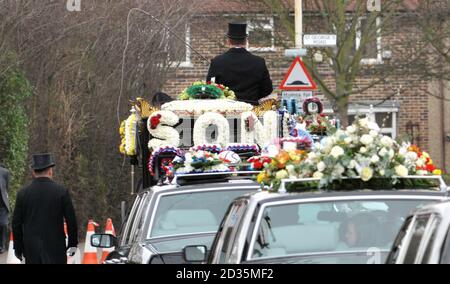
402	105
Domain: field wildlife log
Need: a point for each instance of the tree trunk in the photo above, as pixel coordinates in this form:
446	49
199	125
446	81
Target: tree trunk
340	108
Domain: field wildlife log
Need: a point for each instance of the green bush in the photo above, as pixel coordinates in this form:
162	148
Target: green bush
14	125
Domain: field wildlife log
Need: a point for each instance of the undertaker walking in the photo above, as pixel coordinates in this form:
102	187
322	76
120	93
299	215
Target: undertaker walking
38	219
241	71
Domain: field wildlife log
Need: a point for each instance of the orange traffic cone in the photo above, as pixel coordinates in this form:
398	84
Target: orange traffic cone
90	253
12	259
109	229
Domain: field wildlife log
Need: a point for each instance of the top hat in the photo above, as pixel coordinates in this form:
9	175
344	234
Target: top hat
237	31
42	162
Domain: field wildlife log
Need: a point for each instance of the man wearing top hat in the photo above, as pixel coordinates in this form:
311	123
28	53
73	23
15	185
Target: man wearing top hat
38	218
241	71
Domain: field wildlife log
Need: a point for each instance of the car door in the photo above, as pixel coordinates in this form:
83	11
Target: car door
415	243
126	236
225	242
445	255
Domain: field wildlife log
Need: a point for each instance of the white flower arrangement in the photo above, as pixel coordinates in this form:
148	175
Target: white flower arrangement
130	134
199	107
202	123
359	151
160	127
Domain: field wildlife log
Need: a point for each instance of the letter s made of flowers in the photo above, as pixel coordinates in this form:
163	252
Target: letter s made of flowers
160	125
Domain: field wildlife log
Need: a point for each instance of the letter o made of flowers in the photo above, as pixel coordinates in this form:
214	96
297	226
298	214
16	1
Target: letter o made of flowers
160	125
206	120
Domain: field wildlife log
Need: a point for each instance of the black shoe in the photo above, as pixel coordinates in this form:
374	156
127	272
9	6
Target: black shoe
2	250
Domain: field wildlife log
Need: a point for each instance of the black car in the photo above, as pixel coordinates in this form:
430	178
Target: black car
165	219
318	226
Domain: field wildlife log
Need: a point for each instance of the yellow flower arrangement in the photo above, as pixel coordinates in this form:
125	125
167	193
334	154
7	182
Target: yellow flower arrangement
286	164
122	138
130	134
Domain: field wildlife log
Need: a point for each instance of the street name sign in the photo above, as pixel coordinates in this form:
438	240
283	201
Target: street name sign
319	40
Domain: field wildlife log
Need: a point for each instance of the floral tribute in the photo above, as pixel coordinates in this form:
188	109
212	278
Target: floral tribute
243	148
286	164
213	148
314	120
259	162
317	123
301	142
206	90
359	151
160	126
122	138
128	131
418	162
158	158
198	162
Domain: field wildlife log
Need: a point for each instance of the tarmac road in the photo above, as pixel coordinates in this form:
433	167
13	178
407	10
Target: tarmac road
3	256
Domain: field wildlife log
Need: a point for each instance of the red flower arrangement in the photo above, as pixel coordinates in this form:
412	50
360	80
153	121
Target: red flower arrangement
425	157
155	121
258	163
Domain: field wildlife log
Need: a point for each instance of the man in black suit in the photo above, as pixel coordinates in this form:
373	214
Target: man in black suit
241	71
38	219
4	207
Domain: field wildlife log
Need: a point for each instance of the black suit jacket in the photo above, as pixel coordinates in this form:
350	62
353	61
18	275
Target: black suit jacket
4	187
244	73
38	222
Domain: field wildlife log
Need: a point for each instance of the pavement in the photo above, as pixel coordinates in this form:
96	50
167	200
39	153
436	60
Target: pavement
4	256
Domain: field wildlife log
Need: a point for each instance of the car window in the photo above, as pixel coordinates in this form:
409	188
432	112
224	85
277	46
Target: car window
399	242
228	234
139	219
418	231
330	227
445	258
130	220
192	212
427	244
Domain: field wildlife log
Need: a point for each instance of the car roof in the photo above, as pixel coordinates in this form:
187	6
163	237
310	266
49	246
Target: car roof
442	208
207	185
265	196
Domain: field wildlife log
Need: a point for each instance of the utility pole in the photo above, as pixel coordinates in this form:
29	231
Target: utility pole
299	50
299	24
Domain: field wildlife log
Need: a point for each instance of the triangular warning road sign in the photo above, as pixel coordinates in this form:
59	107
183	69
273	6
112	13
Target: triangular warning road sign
298	78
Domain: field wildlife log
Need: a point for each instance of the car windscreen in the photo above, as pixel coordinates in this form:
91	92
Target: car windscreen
192	212
331	227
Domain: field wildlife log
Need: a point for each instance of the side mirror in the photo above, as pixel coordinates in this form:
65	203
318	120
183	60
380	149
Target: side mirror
195	253
103	241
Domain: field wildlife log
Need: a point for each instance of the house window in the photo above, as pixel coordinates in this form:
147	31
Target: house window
261	34
385	116
371	53
179	53
386	120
